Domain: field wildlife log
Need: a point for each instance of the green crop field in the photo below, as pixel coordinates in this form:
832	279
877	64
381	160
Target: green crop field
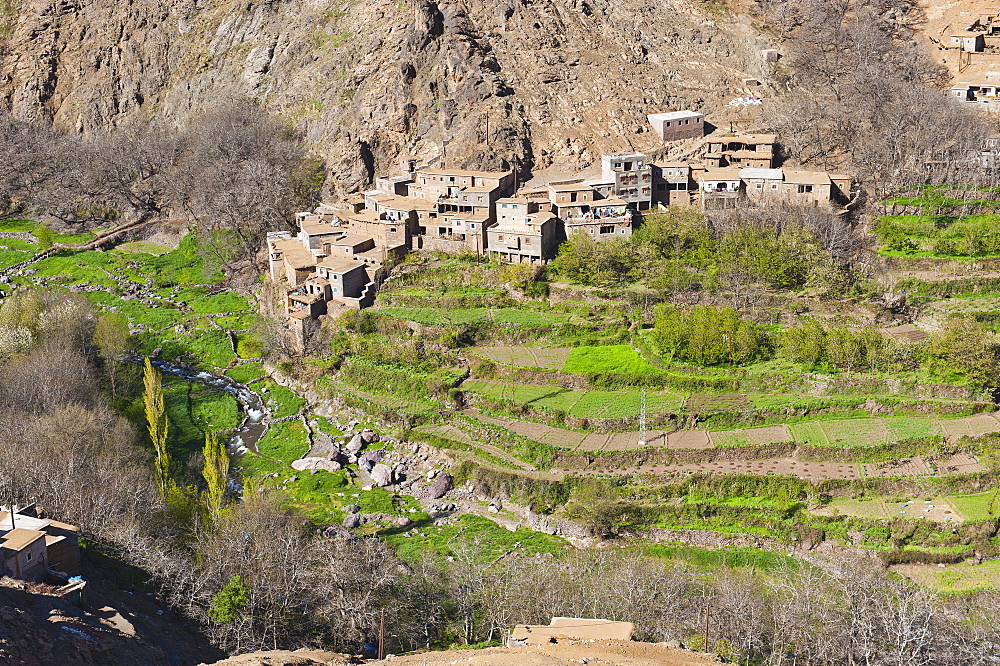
581	404
954	578
617	359
466	316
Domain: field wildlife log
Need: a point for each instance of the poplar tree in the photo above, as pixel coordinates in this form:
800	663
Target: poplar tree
215	472
159	426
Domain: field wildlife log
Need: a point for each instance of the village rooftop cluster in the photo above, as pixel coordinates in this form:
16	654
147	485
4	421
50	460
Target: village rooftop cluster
333	263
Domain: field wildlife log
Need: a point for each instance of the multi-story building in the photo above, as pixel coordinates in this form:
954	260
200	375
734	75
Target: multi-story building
672	184
523	233
748	150
630	177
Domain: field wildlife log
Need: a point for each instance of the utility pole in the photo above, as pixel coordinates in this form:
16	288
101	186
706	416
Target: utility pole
706	623
381	636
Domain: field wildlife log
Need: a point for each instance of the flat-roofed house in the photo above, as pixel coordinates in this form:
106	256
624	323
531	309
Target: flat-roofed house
289	258
523	233
432	183
31	547
672	184
760	183
810	186
678	125
601	220
720	188
747	150
631	176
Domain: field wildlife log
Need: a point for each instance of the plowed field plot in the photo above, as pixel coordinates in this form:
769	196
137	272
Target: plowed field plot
525	357
916	466
751	436
865	431
938	509
779	467
958	463
972	426
700	403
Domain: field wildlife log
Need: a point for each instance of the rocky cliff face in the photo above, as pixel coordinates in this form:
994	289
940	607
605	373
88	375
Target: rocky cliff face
475	83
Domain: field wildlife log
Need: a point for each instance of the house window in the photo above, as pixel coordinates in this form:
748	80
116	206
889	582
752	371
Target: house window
442	231
572	196
618	165
527	241
759	186
392	230
804	189
499	238
472	226
607	230
774	186
335	290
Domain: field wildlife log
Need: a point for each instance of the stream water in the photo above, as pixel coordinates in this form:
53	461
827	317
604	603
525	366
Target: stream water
255	411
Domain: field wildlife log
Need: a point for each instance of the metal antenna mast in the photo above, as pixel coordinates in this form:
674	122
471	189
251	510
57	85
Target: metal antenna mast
642	419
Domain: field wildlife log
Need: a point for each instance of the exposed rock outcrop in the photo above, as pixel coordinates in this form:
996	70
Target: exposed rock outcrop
505	84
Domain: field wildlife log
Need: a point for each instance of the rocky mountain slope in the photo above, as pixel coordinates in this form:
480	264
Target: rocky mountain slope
523	83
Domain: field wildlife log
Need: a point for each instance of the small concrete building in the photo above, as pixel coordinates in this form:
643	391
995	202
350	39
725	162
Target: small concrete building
678	125
970	42
31	547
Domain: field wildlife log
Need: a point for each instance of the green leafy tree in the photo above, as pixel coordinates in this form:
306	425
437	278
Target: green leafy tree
215	472
963	346
159	425
707	335
111	336
805	343
229	602
44	236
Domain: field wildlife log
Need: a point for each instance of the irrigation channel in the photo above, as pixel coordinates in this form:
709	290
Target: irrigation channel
256	414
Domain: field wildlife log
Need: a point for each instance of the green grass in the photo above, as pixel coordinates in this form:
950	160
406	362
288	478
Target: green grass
976	507
617	359
246	373
286	441
143	247
956	578
581	404
283	401
483	537
467	316
730	558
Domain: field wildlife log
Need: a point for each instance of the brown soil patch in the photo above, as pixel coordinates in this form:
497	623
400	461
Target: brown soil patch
958	463
689	439
971	426
916	466
621	653
526	357
905	333
809	471
705	402
751	436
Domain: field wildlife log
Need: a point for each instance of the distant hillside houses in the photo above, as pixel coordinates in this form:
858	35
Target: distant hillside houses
333	263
